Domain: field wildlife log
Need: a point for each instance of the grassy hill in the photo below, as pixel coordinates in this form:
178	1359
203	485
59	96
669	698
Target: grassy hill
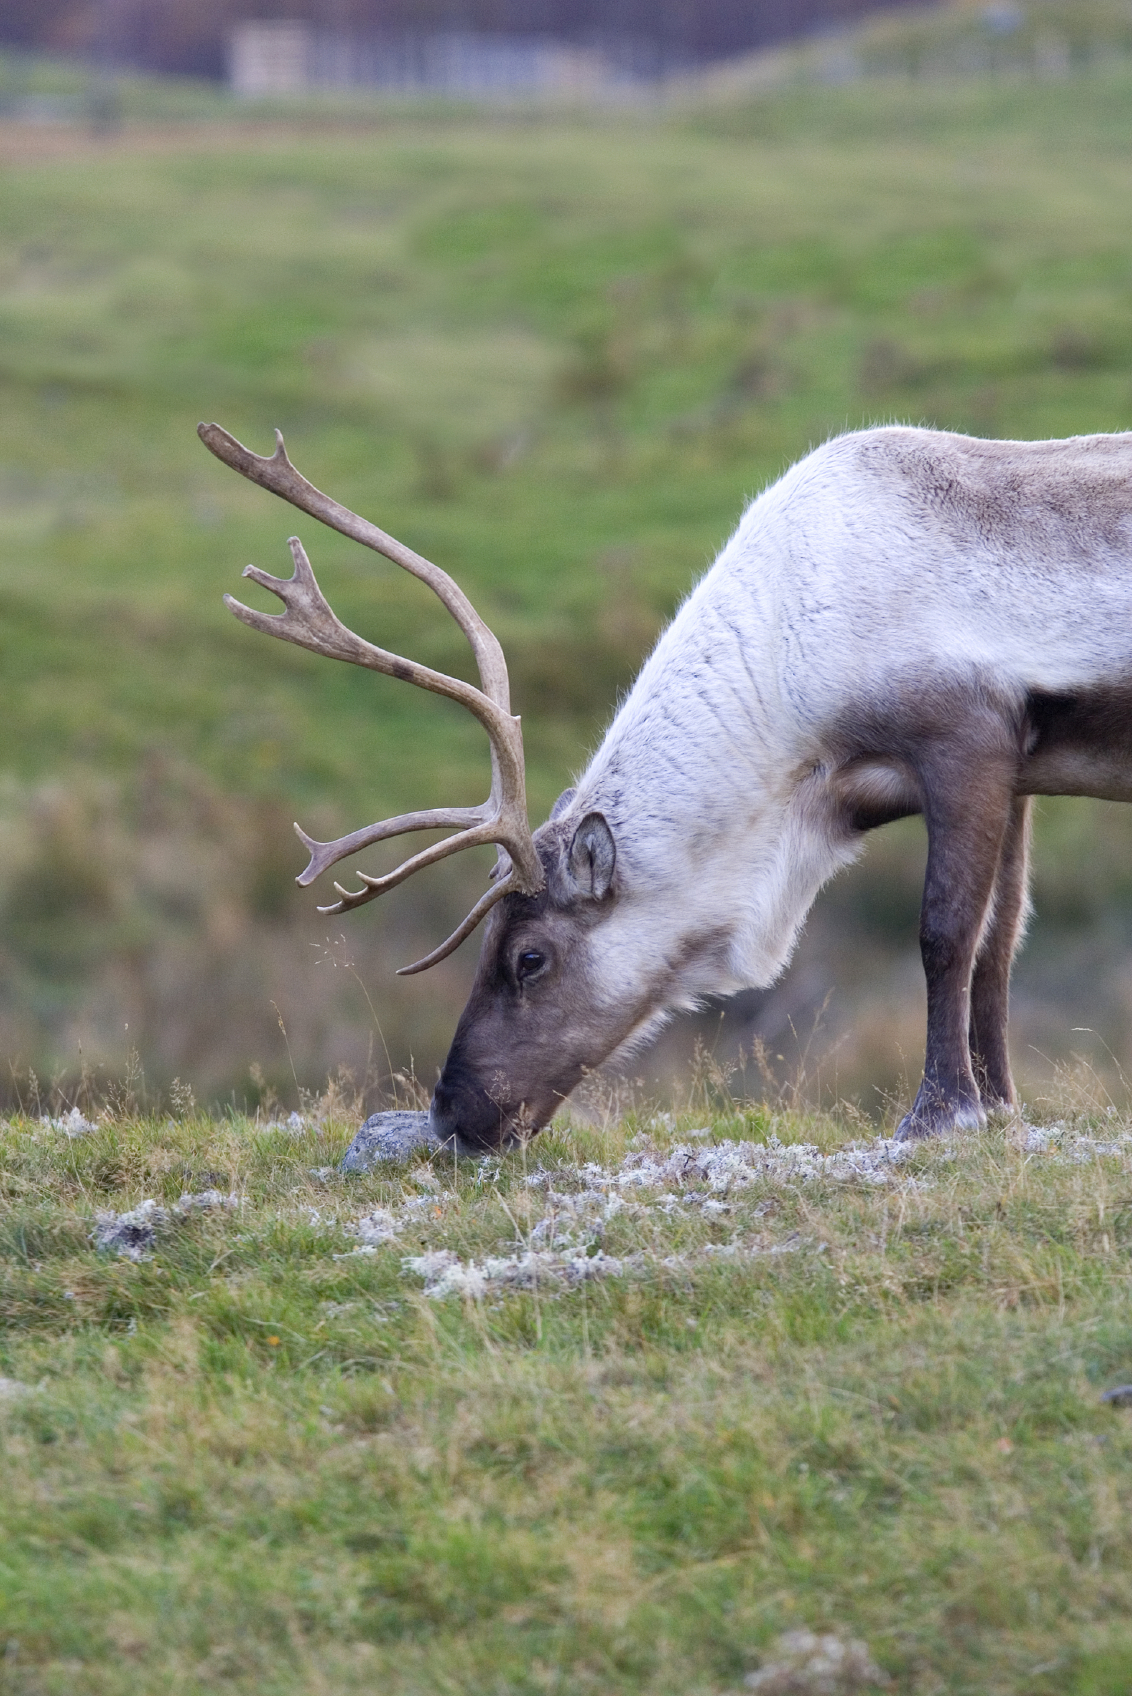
555	352
614	1415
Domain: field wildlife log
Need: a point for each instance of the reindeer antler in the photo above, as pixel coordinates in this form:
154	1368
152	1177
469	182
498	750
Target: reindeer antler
308	620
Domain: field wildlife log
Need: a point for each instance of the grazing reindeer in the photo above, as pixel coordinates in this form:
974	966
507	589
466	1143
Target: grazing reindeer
907	622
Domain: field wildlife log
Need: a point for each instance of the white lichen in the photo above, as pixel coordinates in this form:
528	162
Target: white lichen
808	1664
445	1274
131	1234
294	1125
372	1231
1075	1148
564	1248
207	1201
726	1166
71	1124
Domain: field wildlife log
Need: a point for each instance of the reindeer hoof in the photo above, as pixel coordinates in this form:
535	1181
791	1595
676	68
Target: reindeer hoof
939	1122
912	1129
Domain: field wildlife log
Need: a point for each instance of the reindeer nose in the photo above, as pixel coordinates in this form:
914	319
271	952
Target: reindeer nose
462	1114
441	1115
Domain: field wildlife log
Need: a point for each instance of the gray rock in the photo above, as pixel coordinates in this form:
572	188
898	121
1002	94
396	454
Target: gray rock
1121	1396
389	1136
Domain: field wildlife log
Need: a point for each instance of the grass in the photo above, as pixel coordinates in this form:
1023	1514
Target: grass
264	1461
556	352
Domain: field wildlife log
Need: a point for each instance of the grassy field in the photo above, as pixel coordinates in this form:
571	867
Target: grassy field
556	352
611	1415
623	1411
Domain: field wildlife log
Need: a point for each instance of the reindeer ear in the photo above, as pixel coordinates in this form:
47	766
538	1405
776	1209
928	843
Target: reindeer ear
593	855
562	803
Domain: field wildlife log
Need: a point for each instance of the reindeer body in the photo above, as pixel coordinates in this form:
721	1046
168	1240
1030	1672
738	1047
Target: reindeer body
896	587
907	622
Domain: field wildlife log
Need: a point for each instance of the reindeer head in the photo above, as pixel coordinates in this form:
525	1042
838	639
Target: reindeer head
537	1019
534	1023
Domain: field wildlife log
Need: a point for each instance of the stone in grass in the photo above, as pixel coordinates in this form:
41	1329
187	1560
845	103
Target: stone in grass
389	1136
808	1664
1120	1396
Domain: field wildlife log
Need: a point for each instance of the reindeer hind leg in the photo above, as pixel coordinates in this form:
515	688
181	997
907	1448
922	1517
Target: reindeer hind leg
990	983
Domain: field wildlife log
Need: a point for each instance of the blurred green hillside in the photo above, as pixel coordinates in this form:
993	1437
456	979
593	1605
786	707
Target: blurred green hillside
557	353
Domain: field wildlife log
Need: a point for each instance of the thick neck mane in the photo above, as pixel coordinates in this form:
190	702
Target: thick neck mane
697	744
698	776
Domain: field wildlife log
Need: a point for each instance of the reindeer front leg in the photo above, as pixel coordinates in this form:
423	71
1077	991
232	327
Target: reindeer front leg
990	985
968	803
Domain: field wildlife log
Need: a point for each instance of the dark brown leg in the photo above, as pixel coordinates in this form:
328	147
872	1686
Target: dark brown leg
990	985
968	798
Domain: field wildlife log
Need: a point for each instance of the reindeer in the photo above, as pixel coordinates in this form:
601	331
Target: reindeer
908	621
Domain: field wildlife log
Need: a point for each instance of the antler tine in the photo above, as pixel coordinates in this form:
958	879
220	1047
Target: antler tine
481	909
308	621
326	854
279	476
476	837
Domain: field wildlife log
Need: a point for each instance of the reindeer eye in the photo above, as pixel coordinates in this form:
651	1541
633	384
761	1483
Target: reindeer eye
529	962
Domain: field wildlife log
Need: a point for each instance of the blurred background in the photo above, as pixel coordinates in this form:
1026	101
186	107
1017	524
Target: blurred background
548	292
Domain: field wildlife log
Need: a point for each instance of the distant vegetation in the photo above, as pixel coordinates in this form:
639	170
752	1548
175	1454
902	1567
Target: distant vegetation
557	354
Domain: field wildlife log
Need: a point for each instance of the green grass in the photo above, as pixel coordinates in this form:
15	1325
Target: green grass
557	353
521	345
262	1462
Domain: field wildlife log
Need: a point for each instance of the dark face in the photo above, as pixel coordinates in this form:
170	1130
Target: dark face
531	1029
